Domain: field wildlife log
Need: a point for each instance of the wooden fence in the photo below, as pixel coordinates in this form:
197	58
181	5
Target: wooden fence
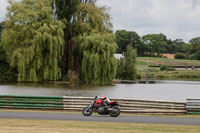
193	106
78	103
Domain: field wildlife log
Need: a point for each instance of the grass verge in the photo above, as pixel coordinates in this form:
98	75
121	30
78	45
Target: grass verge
49	126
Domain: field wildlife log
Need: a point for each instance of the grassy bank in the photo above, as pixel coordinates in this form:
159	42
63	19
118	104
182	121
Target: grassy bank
175	74
165	61
49	126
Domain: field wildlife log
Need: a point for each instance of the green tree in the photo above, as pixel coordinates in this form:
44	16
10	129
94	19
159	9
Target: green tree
195	44
179	43
125	38
195	48
196	55
68	11
171	47
186	48
65	11
7	74
155	43
33	40
95	44
127	65
98	63
86	40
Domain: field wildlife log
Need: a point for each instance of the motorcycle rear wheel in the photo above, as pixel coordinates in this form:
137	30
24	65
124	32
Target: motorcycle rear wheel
87	111
114	112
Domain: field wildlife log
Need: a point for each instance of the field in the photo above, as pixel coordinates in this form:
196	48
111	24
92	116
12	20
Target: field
166	61
183	73
53	126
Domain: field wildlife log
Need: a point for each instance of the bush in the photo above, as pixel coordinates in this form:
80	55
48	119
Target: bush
162	76
180	56
196	55
166	68
163	68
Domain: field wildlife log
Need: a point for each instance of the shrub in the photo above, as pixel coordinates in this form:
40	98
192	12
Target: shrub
166	68
196	55
180	56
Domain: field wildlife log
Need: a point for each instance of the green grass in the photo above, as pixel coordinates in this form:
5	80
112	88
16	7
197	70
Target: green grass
141	63
177	74
165	61
51	126
172	75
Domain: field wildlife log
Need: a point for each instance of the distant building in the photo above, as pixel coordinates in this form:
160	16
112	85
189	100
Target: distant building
118	56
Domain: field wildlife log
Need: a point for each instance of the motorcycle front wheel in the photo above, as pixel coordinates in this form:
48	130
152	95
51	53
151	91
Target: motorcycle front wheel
87	111
114	112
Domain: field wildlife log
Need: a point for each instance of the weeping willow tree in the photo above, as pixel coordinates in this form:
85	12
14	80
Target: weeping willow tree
95	44
88	37
98	63
66	11
33	40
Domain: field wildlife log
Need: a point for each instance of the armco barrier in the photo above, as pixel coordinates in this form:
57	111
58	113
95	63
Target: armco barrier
193	106
31	102
77	104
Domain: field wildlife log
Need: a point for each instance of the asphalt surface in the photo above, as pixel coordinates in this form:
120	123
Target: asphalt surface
98	118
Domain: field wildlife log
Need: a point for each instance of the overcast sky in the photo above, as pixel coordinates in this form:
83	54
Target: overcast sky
174	18
3	6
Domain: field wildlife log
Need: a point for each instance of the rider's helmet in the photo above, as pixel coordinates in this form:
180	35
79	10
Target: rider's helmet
102	96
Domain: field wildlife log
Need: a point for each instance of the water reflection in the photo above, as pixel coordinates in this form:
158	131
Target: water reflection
163	90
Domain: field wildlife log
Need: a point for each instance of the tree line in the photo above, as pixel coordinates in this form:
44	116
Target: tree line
157	44
51	40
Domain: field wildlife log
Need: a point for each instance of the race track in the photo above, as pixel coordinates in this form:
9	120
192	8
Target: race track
98	118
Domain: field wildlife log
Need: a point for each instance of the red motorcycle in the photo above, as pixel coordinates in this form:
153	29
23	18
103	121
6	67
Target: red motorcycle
102	107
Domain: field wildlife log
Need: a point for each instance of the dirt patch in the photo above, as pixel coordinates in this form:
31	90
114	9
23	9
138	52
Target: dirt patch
169	56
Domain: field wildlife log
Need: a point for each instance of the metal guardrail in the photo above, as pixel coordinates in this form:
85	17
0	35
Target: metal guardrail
78	103
193	106
31	102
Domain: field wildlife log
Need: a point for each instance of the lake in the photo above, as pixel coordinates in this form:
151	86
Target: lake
162	91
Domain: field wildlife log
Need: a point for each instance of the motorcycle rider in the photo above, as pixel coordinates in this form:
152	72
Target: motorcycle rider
103	106
105	99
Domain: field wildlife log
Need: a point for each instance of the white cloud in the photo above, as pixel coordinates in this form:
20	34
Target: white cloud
174	18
